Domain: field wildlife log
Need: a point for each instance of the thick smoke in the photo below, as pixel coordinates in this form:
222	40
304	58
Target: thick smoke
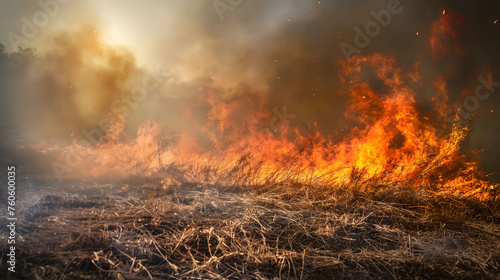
284	51
70	87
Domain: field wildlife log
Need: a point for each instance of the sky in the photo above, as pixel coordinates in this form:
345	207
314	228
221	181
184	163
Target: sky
78	57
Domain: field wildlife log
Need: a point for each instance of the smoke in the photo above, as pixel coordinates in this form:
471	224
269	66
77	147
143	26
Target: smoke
70	87
284	51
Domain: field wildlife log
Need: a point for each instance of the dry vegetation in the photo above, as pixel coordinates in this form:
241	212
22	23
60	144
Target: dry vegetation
148	229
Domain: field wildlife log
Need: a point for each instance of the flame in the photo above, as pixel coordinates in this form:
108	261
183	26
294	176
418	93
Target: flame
390	143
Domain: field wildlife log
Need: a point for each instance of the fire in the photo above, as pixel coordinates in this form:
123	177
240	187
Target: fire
390	142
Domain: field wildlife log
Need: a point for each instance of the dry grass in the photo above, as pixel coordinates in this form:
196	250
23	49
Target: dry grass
148	230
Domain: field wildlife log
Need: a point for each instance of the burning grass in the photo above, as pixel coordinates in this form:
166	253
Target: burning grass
390	141
393	198
146	229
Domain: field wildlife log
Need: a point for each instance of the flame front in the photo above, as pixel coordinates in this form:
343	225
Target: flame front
390	142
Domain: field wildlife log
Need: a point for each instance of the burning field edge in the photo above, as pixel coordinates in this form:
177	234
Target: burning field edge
146	228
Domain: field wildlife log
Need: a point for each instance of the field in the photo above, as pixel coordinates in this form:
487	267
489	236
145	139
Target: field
233	139
152	229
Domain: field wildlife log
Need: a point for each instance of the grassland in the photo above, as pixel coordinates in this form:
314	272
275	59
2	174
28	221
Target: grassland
149	229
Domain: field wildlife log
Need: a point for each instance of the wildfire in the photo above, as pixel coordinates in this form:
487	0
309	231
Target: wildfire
390	143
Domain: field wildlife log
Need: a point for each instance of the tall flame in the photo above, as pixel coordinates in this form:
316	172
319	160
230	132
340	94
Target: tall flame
390	142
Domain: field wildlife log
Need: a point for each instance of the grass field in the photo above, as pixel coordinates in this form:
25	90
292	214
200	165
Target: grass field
147	229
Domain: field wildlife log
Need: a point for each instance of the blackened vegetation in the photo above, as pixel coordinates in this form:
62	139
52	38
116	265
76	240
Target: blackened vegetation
151	230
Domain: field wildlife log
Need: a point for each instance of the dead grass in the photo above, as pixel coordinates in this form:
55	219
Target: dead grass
152	231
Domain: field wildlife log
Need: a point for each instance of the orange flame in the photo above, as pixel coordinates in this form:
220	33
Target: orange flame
390	143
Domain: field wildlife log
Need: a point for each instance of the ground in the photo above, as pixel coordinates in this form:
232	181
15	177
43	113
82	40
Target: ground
149	229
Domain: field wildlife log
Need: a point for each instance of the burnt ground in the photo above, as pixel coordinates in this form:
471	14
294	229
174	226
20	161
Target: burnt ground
147	229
